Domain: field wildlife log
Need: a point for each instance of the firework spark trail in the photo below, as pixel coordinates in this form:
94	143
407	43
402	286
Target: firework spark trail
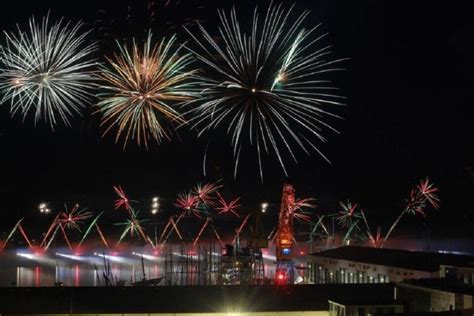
347	236
11	234
428	190
348	214
227	207
377	241
25	236
122	200
175	227
61	226
368	230
53	236
88	230
299	207
45	70
142	90
271	233
239	230
165	229
418	200
189	204
321	224
204	193
206	222
72	219
102	236
266	87
50	230
134	226
218	236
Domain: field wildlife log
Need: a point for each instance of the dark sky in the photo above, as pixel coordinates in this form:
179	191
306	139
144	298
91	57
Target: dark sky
409	85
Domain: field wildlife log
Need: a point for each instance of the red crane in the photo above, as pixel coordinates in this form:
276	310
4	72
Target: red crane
284	273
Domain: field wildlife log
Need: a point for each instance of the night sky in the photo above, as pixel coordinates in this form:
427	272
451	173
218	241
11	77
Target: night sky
409	85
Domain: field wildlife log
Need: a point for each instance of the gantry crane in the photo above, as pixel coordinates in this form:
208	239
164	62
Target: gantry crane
284	273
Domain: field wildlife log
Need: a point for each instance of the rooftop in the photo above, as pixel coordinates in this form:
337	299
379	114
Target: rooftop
183	299
371	301
414	260
444	285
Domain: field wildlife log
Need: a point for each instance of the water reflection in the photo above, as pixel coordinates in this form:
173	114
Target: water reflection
26	269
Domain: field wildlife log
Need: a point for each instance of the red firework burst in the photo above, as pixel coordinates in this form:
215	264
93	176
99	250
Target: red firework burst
227	207
428	190
205	192
72	219
122	200
422	195
377	241
188	203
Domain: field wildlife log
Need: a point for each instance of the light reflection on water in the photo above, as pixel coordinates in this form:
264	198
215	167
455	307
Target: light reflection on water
25	269
75	274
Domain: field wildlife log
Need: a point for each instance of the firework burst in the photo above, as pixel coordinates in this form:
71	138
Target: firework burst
73	218
46	70
300	209
347	214
265	86
133	225
228	207
189	204
204	193
142	89
421	196
123	200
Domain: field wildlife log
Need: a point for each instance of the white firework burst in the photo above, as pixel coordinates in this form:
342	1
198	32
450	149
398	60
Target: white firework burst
47	70
266	86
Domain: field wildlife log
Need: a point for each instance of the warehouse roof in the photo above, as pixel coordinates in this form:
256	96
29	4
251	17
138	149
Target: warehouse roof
183	299
414	260
441	284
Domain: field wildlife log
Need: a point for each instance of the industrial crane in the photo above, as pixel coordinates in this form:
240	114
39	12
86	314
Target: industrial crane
284	273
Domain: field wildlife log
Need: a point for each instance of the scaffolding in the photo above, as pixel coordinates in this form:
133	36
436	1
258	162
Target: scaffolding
187	265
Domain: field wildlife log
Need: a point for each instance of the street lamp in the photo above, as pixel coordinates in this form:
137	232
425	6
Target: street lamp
264	207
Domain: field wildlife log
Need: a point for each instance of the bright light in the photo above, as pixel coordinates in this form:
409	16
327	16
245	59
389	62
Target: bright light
110	257
43	208
26	255
155	205
264	207
281	276
73	257
145	256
